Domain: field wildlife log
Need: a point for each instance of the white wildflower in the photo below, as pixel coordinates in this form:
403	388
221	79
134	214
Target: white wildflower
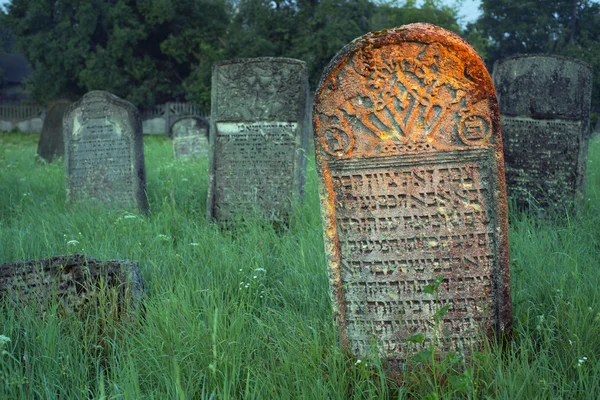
194	244
4	340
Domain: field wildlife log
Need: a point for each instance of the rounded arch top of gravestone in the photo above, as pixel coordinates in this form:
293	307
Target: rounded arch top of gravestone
543	86
409	156
188	124
51	143
104	151
417	88
246	84
190	137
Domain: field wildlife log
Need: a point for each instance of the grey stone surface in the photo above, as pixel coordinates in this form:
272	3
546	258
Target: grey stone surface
51	144
73	279
258	137
104	152
545	112
190	137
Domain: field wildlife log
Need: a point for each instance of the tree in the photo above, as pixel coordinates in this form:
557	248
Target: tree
565	27
326	27
146	51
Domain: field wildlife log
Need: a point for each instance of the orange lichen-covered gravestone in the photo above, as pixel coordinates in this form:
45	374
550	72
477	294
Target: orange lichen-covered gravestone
409	156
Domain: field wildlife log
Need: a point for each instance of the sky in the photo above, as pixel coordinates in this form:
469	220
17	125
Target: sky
469	10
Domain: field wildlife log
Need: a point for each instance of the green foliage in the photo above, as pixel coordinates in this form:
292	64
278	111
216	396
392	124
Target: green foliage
152	51
245	313
144	51
328	27
431	11
564	27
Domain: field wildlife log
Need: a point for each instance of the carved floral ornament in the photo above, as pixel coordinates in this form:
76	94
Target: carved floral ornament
405	95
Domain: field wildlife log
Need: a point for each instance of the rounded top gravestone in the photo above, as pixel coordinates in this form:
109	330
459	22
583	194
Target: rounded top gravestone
409	156
104	151
51	144
190	137
545	105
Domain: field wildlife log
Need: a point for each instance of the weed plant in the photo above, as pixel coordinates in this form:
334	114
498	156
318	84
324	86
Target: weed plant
246	313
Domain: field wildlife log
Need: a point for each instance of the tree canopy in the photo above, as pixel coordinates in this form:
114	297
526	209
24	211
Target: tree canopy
152	51
563	27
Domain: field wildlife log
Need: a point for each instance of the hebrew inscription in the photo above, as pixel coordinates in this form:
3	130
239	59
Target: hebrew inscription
545	106
254	165
260	138
104	151
74	280
400	225
409	157
542	159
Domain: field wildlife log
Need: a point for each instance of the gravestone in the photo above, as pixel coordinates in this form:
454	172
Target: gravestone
258	137
190	137
51	144
409	158
545	112
74	280
104	152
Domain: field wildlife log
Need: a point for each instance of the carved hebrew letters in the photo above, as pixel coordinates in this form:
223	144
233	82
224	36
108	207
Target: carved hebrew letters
255	162
104	151
257	159
545	105
409	157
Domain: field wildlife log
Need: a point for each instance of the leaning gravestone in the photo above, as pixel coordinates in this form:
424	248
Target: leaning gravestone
74	280
51	144
409	159
545	110
190	137
258	137
104	153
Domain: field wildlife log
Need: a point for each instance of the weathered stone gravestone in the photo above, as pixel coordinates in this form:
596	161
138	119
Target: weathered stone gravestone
51	144
258	137
545	111
104	151
74	280
409	159
190	137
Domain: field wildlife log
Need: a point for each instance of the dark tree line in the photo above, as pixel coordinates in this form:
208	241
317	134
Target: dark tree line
152	51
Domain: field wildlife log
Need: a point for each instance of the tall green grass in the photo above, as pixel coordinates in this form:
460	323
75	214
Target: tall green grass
245	313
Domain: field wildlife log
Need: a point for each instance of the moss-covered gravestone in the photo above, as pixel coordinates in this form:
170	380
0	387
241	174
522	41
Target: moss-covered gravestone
73	280
258	137
51	144
104	152
545	111
190	137
409	159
